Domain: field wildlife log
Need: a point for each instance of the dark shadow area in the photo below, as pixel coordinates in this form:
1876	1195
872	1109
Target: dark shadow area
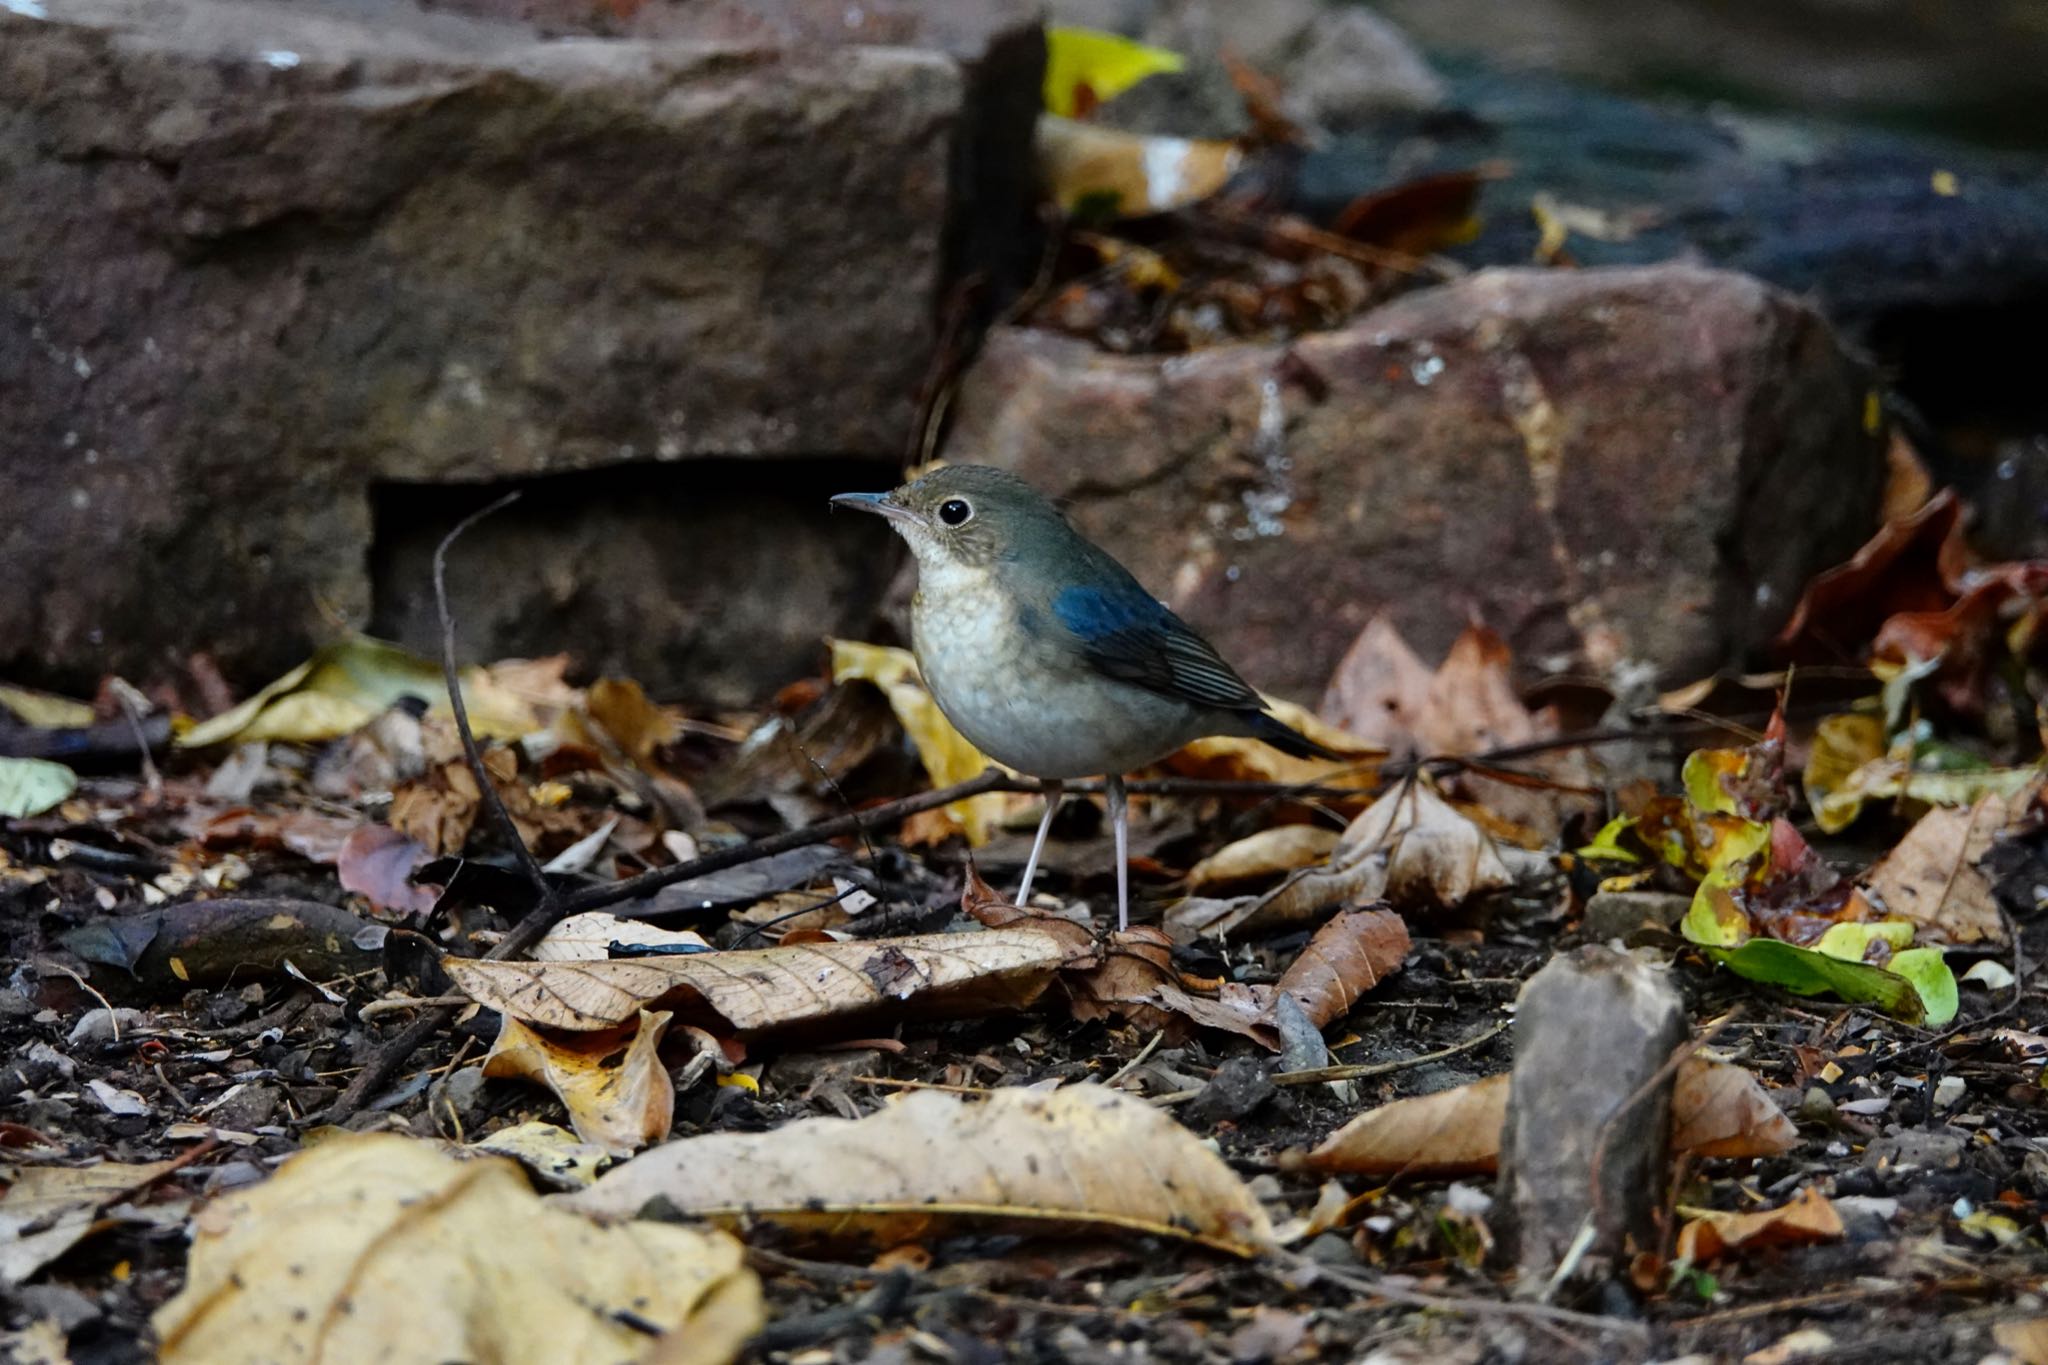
710	581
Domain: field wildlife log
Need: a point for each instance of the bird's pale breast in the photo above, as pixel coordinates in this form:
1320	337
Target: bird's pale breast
1021	698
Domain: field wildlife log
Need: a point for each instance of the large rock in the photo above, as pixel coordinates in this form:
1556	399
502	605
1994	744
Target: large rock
1613	468
265	267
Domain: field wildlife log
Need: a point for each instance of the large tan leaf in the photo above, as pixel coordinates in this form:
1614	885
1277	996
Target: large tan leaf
379	1247
1717	1109
612	1082
1932	877
770	988
1082	1158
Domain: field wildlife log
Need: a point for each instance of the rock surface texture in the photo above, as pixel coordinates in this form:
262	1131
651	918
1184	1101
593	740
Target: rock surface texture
1589	1142
1615	469
264	265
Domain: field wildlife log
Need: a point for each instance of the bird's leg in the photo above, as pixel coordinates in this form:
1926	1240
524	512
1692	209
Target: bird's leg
1120	820
1052	787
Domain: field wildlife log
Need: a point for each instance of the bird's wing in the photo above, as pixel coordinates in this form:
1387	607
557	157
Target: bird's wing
1125	633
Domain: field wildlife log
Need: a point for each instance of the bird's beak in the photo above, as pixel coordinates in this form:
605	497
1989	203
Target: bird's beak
882	504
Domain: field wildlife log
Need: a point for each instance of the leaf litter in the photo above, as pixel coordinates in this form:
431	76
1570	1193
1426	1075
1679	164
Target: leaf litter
315	877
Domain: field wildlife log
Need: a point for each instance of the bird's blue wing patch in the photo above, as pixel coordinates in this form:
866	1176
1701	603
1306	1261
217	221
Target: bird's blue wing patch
1125	633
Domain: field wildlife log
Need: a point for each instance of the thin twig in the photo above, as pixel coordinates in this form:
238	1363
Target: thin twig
1464	1306
1361	1070
1132	1065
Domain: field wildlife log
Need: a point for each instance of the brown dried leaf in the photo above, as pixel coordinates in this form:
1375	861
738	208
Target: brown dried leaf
1717	1109
1082	1159
1136	981
1932	877
1269	853
613	1084
782	987
47	1210
639	727
1379	689
376	862
1434	855
1452	1132
1807	1218
372	1246
1346	958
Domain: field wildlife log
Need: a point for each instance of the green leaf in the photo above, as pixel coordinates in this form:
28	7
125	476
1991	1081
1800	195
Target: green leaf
1929	973
1085	66
1850	941
1714	920
1606	844
30	786
1704	769
1805	972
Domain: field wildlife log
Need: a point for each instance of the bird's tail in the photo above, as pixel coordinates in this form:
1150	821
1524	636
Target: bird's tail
1288	740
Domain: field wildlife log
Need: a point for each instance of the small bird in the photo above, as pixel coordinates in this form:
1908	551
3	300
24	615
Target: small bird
1048	655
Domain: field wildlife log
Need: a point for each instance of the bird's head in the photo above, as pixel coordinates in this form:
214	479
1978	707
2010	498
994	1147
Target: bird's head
966	515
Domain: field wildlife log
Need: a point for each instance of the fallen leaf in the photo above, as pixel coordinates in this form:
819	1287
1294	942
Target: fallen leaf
1806	972
1379	689
1108	172
1450	1132
612	1082
1269	853
1806	1218
553	1154
1933	879
373	1246
1717	1109
1843	746
2024	1339
30	786
346	684
45	710
1081	1158
1722	1110
1434	855
1347	957
589	937
782	987
639	727
1382	692
1419	217
1085	66
376	862
47	1210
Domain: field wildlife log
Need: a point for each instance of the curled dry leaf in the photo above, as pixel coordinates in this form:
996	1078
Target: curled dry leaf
1346	958
1083	1159
1384	693
1808	1217
379	1247
1933	879
1269	853
376	862
1130	173
612	1082
1717	1109
782	987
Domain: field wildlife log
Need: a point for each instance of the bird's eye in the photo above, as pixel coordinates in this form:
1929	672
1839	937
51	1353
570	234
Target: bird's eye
955	512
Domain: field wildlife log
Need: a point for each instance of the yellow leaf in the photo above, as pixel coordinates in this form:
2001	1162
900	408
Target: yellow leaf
44	710
346	684
1085	66
613	1084
1842	745
372	1246
1850	940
